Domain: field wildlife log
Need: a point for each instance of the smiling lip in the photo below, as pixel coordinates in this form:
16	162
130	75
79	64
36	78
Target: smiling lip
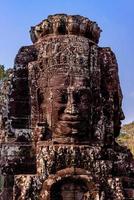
70	122
70	118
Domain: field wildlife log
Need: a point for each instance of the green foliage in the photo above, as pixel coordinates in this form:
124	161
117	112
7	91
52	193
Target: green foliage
126	137
3	73
1	183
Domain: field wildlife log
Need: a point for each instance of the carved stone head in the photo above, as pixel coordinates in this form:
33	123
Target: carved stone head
74	83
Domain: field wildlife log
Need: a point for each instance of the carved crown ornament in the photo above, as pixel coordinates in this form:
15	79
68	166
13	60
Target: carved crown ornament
62	24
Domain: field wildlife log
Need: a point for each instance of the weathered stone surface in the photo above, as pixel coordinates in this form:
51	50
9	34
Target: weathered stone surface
62	24
4	90
64	113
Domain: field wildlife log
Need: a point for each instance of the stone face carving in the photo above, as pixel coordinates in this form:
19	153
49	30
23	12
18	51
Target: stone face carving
66	62
64	114
70	100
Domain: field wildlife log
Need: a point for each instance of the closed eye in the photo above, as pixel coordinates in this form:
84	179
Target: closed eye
61	96
64	98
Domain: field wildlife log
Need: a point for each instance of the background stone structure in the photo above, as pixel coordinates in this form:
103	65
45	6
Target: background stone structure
64	114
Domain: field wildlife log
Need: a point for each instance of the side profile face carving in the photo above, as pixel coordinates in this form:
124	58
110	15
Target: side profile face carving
68	105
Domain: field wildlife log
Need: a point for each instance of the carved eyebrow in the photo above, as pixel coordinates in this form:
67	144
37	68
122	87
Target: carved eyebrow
59	90
79	88
83	90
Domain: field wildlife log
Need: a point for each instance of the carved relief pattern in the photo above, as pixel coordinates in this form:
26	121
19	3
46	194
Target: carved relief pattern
63	116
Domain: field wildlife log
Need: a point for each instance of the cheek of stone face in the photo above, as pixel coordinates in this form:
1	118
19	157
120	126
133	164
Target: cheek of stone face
58	105
85	105
54	107
56	113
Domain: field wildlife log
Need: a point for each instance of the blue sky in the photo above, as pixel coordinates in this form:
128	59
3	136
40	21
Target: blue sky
115	17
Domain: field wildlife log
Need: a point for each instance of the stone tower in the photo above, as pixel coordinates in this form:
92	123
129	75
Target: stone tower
64	114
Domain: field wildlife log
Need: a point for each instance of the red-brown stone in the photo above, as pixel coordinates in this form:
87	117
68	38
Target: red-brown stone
64	114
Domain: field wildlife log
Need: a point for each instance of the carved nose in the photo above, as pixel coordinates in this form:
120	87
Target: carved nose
71	107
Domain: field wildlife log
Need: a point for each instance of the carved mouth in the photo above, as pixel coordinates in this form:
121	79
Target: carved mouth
67	127
71	124
70	118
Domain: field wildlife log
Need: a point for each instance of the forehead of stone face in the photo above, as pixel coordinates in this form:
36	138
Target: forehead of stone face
64	80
